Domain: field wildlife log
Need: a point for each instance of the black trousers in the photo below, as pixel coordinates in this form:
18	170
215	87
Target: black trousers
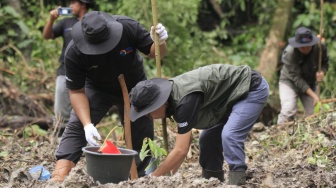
73	138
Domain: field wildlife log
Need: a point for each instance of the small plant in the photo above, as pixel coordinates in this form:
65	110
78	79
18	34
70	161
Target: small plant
319	106
150	148
34	130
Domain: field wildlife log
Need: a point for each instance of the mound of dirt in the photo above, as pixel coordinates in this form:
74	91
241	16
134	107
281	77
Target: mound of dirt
301	154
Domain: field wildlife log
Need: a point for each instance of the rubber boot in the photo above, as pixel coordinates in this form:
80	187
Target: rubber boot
237	178
62	169
207	174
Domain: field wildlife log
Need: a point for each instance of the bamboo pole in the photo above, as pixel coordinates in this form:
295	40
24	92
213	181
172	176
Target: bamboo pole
156	41
158	69
318	89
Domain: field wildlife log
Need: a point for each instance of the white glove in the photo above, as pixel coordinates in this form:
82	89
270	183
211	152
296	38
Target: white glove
90	132
161	31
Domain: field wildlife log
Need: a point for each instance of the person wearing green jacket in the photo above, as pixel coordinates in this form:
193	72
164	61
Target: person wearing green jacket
223	100
299	74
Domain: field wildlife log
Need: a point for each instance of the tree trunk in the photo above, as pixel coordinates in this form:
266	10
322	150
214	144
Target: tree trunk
16	4
269	61
270	55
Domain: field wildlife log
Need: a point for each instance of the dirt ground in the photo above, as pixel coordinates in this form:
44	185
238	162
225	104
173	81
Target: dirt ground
278	156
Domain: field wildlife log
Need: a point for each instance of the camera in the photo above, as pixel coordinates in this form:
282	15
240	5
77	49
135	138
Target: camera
65	11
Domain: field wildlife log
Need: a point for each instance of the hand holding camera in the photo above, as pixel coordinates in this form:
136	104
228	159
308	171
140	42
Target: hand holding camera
60	11
66	11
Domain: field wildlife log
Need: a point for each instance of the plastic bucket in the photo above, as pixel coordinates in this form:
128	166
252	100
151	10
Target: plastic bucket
108	168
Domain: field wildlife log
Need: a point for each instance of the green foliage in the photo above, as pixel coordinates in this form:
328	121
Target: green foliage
319	106
34	130
320	157
4	154
180	27
32	59
305	136
188	46
29	57
157	153
11	17
246	46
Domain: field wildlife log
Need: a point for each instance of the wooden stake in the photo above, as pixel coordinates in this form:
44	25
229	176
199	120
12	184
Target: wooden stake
127	123
328	100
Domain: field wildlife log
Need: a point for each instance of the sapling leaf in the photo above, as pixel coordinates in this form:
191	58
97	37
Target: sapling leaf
156	151
317	107
326	107
143	155
144	152
163	151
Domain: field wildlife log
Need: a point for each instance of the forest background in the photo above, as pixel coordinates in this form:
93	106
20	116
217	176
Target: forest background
200	32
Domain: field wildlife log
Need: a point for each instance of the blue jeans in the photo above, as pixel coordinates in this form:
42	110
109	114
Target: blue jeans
228	137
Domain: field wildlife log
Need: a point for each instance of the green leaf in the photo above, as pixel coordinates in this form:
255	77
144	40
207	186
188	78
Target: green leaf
317	107
10	10
24	43
2	38
326	107
3	154
163	151
143	155
242	5
23	26
144	152
34	130
312	160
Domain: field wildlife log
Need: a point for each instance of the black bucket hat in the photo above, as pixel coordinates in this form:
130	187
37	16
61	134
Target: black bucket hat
303	37
147	96
87	1
97	33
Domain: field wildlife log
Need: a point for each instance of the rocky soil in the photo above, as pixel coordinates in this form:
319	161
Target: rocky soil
300	154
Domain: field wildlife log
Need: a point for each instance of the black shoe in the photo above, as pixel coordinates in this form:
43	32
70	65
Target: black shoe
207	174
237	178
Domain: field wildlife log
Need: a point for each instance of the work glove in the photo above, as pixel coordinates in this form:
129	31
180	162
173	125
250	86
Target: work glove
90	133
161	31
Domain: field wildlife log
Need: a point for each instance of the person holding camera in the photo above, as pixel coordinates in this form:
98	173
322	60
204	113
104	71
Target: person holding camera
79	8
104	46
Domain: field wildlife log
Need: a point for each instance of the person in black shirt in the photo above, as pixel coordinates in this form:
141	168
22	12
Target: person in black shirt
103	47
62	105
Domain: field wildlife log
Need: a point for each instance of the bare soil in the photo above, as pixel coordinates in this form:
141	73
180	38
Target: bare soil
298	155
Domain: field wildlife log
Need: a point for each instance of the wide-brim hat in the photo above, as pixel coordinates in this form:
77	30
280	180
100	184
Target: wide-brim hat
147	96
87	1
303	37
97	33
